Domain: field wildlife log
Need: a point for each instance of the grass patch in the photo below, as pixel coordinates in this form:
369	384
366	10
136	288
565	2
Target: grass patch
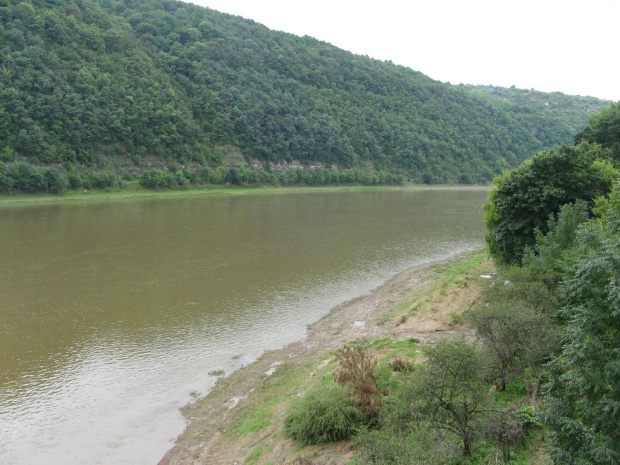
456	319
260	420
323	415
256	454
408	307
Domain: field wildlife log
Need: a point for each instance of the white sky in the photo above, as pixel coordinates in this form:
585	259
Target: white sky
550	45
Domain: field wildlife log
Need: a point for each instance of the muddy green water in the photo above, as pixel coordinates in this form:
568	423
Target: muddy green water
112	314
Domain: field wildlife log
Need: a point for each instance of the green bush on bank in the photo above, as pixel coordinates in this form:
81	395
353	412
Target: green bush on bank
22	177
323	415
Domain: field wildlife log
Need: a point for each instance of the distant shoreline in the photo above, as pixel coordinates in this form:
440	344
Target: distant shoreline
103	195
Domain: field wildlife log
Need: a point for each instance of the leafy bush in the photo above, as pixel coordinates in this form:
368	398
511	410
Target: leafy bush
27	178
55	181
523	199
75	182
323	415
6	181
23	177
205	175
156	179
102	180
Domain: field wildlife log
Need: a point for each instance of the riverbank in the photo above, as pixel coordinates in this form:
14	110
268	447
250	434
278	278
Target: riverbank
241	419
135	192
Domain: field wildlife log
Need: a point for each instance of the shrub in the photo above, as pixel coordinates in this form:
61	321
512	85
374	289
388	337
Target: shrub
190	175
356	371
400	363
101	180
156	179
416	444
6	182
323	415
180	179
510	427
27	178
75	182
205	175
54	180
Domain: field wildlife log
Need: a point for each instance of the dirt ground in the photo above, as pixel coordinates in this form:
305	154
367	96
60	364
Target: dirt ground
241	420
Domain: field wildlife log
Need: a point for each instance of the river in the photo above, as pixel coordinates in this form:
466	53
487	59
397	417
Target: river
115	314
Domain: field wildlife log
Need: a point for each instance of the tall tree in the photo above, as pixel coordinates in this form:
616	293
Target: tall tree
451	390
523	199
604	128
584	385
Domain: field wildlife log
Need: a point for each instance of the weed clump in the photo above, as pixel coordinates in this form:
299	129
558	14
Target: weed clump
323	415
357	372
401	364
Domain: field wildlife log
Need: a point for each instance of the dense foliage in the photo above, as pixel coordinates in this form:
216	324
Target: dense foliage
604	128
584	385
87	83
523	199
549	326
324	414
544	114
577	256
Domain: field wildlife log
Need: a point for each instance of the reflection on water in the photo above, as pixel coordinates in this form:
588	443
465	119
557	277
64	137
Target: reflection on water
114	313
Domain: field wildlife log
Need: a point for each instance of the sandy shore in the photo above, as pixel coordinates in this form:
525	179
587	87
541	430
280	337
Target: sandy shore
215	433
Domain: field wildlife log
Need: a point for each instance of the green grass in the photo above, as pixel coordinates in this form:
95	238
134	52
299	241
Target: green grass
455	319
407	307
132	189
250	426
456	270
515	393
256	453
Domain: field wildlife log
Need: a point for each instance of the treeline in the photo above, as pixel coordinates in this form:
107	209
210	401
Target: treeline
548	332
157	179
24	178
83	84
557	218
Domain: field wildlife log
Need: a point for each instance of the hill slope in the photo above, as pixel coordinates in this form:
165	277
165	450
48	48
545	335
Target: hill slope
85	83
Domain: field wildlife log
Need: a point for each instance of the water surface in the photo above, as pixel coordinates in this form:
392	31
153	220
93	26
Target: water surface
112	314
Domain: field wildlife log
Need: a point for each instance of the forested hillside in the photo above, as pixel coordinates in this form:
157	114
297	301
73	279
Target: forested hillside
87	85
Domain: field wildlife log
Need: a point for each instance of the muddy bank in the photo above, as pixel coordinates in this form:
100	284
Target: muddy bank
240	420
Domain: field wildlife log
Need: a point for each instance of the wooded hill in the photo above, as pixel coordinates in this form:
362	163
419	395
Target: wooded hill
95	84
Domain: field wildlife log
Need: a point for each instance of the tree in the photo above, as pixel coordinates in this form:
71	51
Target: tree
515	334
551	256
524	198
452	392
584	384
604	128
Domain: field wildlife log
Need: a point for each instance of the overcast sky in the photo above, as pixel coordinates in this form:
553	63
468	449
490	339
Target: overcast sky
550	45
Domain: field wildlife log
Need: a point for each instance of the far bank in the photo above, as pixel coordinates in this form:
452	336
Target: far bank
134	190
